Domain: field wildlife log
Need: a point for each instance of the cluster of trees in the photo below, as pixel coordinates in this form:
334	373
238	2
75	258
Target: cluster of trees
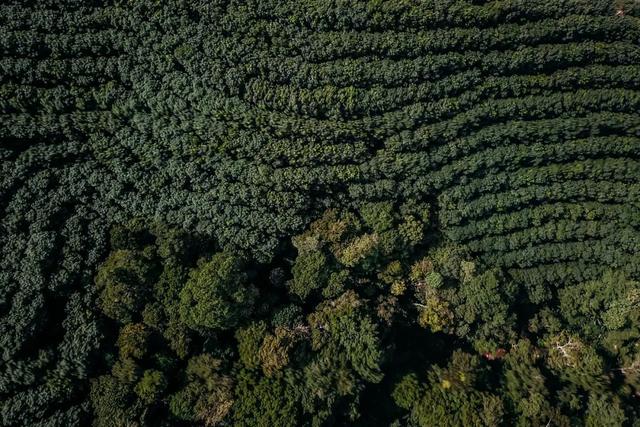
199	335
241	122
367	319
161	311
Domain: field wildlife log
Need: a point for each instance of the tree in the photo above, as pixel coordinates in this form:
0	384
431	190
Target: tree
265	401
249	342
151	386
604	411
407	391
207	396
310	272
111	402
133	341
451	396
217	295
124	282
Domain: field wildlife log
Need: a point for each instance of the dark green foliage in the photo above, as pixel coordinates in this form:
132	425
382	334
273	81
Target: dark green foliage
466	167
207	396
217	295
341	327
478	307
309	273
287	316
613	300
133	341
111	402
449	397
329	360
151	385
604	412
158	375
407	392
265	401
124	285
249	342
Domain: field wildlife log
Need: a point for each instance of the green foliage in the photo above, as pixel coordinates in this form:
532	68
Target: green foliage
378	216
217	294
449	397
434	280
525	384
407	391
156	377
342	326
613	299
603	412
249	342
434	312
133	341
127	371
110	402
265	401
123	281
483	305
151	385
475	306
287	316
497	140
325	362
309	273
208	394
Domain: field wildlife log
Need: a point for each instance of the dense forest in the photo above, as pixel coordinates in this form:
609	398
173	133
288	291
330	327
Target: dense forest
319	213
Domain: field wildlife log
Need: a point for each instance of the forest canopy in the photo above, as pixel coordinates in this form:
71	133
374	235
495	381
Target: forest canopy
320	213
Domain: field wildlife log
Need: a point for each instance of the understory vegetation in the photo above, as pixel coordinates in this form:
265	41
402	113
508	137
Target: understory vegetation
319	213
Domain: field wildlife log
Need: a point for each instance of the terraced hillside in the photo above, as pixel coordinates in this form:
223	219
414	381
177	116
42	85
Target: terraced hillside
517	122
